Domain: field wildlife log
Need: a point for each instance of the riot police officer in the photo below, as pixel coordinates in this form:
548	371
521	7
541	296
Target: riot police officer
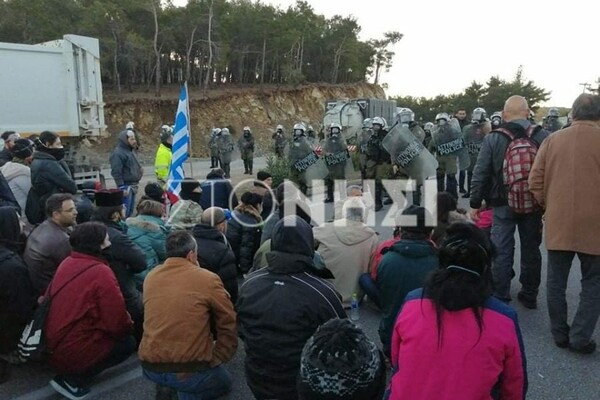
363	140
378	159
473	135
225	142
496	119
279	141
447	161
246	146
299	150
335	151
213	145
406	117
551	122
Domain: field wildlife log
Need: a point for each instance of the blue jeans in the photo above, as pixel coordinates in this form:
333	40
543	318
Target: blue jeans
206	385
129	201
503	237
369	287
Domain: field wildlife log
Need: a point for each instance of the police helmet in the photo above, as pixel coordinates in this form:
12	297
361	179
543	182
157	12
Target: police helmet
442	117
553	112
335	129
225	131
428	127
406	116
299	129
367	123
478	115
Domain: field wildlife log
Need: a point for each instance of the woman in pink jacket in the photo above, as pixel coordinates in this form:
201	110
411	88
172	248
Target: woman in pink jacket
452	339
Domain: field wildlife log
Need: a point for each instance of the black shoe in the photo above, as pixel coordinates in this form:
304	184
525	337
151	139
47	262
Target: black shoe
563	344
70	392
4	374
388	201
587	349
378	207
462	190
527	301
467	195
329	200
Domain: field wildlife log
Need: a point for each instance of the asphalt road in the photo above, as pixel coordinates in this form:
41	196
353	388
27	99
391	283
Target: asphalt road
553	373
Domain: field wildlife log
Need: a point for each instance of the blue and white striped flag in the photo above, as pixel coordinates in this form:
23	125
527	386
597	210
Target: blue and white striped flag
181	143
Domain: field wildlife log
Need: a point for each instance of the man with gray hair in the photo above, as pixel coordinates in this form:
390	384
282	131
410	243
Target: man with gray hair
9	138
346	246
564	179
216	254
190	325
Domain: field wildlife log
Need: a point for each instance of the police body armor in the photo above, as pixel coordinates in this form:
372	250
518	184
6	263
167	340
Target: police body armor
226	148
408	153
305	162
448	141
336	156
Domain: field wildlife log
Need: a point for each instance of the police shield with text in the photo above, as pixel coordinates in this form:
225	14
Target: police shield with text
305	163
473	135
337	158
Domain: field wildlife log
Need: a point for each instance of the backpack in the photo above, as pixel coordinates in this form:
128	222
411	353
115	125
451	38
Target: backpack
518	161
32	345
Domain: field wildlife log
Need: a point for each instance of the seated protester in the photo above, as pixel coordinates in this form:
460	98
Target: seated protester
353	191
286	193
447	214
459	341
8	139
339	362
17	298
124	257
280	307
217	191
244	230
215	253
346	246
190	328
262	187
49	174
148	232
48	244
153	191
18	173
87	327
404	268
187	212
7	198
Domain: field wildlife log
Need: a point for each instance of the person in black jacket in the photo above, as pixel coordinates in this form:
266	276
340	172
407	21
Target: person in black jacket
126	169
9	138
488	184
214	252
217	191
280	307
124	257
49	174
7	198
245	229
17	298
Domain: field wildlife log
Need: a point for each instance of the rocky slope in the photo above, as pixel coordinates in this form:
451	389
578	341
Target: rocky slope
261	108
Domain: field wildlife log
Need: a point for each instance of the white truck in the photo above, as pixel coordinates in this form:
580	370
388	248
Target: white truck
53	86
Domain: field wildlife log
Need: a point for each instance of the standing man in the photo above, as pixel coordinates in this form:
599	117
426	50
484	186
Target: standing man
189	326
489	184
9	138
126	169
363	141
162	161
336	155
279	141
564	178
225	142
246	146
379	163
473	135
214	148
551	122
445	143
461	116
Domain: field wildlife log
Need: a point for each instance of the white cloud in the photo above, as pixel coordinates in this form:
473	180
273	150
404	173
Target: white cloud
446	45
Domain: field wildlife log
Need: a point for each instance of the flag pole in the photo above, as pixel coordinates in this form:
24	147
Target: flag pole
189	129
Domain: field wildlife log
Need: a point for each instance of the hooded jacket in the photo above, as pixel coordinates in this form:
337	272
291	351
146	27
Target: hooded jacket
18	177
488	181
149	233
6	195
216	192
279	308
243	232
124	164
215	254
87	317
346	247
402	269
17	298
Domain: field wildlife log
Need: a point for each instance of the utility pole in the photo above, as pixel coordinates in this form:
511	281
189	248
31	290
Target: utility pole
585	86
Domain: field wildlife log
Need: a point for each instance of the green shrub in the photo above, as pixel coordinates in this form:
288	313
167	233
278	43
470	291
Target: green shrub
279	168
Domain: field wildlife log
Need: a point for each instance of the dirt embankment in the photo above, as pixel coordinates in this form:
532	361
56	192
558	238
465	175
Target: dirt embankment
261	108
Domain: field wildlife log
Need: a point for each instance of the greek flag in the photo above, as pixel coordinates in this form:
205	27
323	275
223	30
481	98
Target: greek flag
181	142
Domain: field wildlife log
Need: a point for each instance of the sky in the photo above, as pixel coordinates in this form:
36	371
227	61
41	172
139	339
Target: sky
447	45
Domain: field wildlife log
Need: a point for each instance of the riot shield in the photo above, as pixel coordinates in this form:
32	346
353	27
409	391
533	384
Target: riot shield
306	161
448	141
418	132
226	148
337	157
473	135
409	153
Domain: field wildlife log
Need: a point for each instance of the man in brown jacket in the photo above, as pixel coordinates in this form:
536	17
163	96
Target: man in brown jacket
189	326
565	179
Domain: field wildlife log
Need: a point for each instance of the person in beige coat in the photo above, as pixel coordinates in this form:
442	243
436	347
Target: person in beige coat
565	180
346	246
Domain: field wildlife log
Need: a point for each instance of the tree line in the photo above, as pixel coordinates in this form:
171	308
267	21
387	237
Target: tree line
491	96
206	42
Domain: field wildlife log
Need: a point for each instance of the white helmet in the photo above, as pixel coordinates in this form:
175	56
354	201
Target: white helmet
299	129
130	126
225	131
428	127
247	129
553	112
442	117
335	129
367	123
216	131
378	121
406	116
280	128
478	115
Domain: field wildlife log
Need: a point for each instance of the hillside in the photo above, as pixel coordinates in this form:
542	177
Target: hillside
259	107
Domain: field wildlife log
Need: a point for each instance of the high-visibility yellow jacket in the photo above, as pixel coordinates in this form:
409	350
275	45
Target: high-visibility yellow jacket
162	162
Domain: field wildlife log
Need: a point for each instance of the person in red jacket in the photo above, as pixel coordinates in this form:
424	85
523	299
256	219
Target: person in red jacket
87	327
